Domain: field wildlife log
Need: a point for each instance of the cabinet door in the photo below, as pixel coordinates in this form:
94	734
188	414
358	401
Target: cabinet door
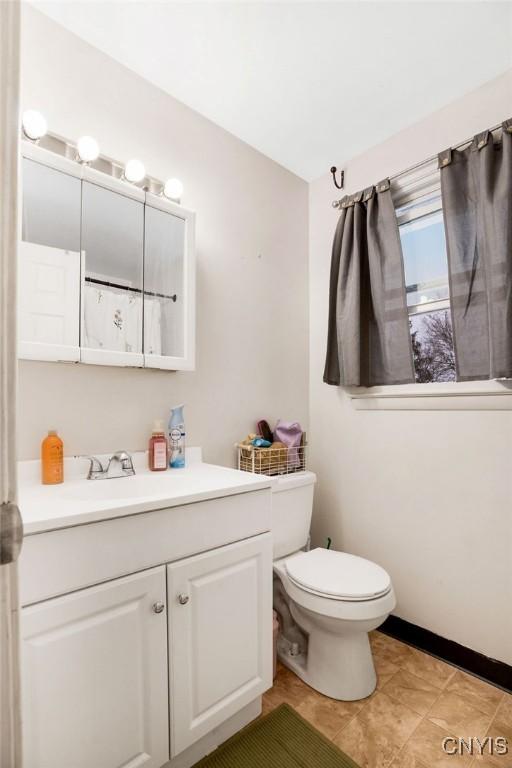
169	285
49	263
220	636
112	252
94	667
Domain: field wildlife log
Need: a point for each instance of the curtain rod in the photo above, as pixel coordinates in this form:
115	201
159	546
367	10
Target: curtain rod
337	203
96	281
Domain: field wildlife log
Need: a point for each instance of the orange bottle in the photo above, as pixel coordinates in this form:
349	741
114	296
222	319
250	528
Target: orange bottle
52	459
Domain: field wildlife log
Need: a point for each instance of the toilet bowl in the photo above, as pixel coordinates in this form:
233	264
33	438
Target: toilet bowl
335	599
328	601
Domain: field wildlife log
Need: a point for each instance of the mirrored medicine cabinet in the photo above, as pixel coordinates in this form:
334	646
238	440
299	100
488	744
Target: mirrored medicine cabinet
106	270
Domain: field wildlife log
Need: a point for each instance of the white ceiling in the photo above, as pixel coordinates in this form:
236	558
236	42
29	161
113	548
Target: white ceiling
310	83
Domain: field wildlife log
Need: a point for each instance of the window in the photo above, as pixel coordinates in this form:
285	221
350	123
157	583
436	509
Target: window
420	221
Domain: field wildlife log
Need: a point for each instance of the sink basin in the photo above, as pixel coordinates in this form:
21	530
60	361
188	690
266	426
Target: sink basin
134	487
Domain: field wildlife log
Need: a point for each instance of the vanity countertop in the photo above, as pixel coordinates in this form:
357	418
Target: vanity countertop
78	501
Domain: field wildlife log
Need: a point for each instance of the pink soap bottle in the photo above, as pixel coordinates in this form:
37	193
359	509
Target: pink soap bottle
158	449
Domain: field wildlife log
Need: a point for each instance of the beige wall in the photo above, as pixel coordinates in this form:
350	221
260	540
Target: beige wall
427	494
252	350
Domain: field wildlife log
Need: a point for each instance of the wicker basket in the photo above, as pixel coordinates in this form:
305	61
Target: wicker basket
272	461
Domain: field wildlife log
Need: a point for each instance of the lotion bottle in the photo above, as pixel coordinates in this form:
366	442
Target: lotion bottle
52	459
157	449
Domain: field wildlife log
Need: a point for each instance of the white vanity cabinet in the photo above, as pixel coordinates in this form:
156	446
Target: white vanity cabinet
220	636
137	651
94	684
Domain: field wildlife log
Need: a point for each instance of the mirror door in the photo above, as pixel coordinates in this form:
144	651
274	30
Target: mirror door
112	268
49	261
168	285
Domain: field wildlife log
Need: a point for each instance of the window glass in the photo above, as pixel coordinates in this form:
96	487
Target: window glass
425	264
428	294
432	346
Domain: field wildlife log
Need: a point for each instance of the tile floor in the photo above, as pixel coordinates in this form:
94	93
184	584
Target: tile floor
418	701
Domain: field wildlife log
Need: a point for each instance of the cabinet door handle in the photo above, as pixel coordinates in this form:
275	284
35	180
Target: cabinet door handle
158	607
183	599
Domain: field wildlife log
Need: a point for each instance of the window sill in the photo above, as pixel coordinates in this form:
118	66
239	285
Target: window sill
456	396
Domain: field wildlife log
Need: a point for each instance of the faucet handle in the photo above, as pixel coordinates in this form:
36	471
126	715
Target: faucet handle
95	467
126	461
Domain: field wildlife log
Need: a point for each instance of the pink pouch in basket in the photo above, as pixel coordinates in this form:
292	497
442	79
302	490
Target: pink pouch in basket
290	434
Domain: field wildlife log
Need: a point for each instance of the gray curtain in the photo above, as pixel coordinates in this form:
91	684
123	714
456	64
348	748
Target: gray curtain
476	186
368	339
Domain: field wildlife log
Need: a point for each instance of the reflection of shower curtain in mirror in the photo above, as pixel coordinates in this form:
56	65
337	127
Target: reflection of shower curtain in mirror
152	326
113	320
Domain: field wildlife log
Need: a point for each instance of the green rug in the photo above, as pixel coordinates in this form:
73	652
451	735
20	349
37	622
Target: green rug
281	739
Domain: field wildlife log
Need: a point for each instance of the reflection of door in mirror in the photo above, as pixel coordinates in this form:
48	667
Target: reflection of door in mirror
49	263
164	300
112	245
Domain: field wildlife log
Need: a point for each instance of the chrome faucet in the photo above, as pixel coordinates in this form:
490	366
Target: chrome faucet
120	464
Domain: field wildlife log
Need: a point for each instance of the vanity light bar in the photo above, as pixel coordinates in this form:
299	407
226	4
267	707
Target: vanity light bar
134	171
33	125
86	151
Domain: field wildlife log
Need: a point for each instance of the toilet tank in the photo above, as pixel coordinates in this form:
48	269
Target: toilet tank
292	507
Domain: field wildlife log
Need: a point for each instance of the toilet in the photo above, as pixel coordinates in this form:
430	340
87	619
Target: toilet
327	601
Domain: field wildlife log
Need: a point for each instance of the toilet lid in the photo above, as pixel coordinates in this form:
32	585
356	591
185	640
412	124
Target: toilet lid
338	575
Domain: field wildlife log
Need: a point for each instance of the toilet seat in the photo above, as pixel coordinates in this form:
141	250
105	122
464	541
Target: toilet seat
337	575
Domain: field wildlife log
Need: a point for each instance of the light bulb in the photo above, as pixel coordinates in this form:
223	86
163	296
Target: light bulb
173	189
87	148
134	171
34	124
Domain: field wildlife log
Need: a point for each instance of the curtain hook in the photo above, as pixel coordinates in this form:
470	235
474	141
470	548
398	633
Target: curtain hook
342	177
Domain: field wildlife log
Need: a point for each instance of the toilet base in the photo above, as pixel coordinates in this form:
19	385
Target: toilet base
325	641
337	666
